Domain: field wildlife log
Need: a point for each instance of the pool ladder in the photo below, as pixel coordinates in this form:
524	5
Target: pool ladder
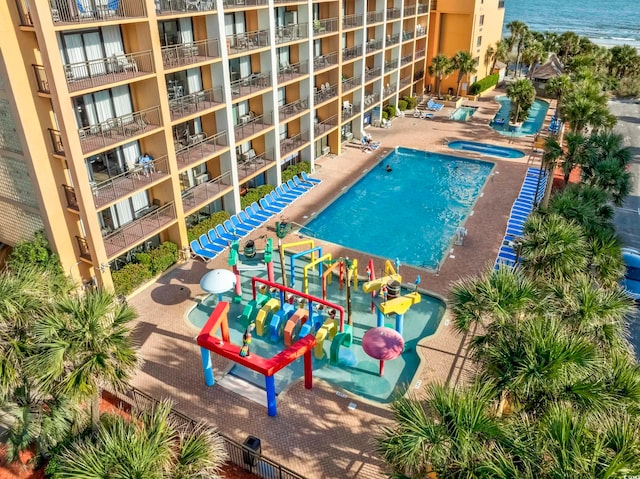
309	232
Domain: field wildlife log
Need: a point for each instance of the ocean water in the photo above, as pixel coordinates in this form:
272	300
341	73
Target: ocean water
611	22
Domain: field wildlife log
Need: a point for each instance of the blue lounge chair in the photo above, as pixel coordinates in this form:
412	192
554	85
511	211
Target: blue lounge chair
208	245
271	209
298	182
230	227
259	212
283	194
309	179
433	106
278	200
216	240
287	189
291	185
222	234
205	255
247	224
247	220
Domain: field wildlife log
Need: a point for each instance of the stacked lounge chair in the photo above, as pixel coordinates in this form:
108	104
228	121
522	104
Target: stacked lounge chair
434	106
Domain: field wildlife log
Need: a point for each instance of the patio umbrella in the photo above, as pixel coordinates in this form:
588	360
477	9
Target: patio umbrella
382	344
218	281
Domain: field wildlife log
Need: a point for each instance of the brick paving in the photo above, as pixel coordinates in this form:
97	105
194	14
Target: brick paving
315	433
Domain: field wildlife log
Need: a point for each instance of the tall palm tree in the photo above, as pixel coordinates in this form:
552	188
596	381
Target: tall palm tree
573	156
557	87
605	164
586	205
440	68
569	43
533	54
85	345
522	94
624	60
465	64
552	153
581	112
518	32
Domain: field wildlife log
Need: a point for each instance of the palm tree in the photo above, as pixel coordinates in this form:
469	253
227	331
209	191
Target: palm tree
552	152
521	93
149	445
581	112
557	87
85	345
573	155
518	32
624	60
605	165
586	205
440	68
465	64
533	54
569	43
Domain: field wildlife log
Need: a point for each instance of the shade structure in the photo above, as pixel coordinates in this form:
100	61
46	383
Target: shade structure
218	281
382	344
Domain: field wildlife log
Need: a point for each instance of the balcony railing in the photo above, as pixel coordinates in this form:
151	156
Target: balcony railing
288	145
393	39
406	36
406	59
169	7
206	192
25	13
391	65
56	141
252	125
325	61
351	53
352	21
375	17
370	74
149	222
107	70
291	33
393	13
189	53
350	110
244	3
250	84
373	45
249	166
290	72
420	31
195	102
371	98
119	129
198	150
140	176
292	109
423	8
83	247
244	42
325	25
351	83
325	93
85	11
325	125
405	81
389	90
419	54
409	10
70	195
41	79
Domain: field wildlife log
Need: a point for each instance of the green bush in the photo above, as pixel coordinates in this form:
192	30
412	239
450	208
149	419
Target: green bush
295	170
129	277
35	252
485	83
385	115
402	105
203	227
391	111
255	194
163	257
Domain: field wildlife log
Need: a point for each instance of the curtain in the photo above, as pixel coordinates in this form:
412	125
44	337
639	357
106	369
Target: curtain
122	213
194	83
186	32
75	55
112	40
102	102
140	200
281	96
131	153
90	110
197	126
95	55
239	23
245	67
121	100
283	57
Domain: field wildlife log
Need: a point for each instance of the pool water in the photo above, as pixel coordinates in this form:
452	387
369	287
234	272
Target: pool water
463	113
356	372
486	149
410	213
531	126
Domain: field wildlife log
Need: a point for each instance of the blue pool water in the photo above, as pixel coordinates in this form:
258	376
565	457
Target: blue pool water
410	213
531	125
485	149
356	372
463	113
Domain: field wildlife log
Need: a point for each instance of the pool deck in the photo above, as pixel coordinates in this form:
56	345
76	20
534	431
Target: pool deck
315	433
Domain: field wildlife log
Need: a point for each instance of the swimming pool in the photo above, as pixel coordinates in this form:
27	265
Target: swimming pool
463	113
411	213
356	372
531	125
485	149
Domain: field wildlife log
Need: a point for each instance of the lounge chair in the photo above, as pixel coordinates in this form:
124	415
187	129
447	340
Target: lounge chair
309	179
272	200
231	228
257	211
270	208
417	114
197	250
283	194
223	234
216	240
287	189
425	115
433	106
208	245
292	186
247	224
298	182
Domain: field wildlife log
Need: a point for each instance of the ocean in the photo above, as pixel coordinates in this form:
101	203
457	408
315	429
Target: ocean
610	22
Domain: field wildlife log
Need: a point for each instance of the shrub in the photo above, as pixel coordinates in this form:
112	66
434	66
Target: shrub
129	277
412	101
402	105
203	227
145	266
294	170
35	252
163	257
485	83
255	194
391	111
385	115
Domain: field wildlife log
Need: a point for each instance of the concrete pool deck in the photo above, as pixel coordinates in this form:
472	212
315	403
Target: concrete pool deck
315	432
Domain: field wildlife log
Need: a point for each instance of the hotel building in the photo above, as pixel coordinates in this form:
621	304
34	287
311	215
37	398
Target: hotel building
221	95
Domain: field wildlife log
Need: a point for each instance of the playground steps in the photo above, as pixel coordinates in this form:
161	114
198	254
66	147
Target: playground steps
243	388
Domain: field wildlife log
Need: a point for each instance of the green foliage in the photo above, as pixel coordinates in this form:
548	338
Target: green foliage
402	105
295	170
385	115
412	101
482	85
203	227
35	252
255	194
391	111
130	276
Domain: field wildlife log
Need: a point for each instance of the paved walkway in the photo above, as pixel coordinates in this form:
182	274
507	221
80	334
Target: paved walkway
315	433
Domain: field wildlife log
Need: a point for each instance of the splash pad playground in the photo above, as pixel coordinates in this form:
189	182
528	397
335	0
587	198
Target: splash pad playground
343	335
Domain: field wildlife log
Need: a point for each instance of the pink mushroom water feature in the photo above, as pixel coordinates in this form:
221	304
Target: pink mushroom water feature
382	344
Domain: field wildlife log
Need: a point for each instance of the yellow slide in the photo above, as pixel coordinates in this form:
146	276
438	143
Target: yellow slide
399	305
329	328
377	284
264	315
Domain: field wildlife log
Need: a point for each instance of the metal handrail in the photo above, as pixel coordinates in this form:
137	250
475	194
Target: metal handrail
393	13
351	83
199	150
124	183
253	126
169	7
351	52
325	25
287	145
105	70
372	73
242	42
322	95
83	247
249	166
423	8
293	108
419	54
189	52
406	36
405	81
373	45
391	64
352	21
409	10
24	13
325	61
194	102
254	82
89	11
393	39
206	191
389	90
289	72
291	33
375	17
349	112
406	59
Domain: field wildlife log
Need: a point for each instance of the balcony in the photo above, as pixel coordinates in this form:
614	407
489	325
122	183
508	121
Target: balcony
373	45
170	7
393	39
405	81
370	74
25	13
423	8
250	165
83	247
244	42
200	195
149	223
325	61
251	125
201	149
419	54
139	177
325	25
90	11
325	93
409	10
325	125
393	13
292	33
405	60
293	109
351	83
70	196
41	79
174	56
389	90
56	141
119	129
390	65
351	53
289	145
375	17
349	111
244	3
103	71
352	21
406	36
291	72
371	98
195	102
251	84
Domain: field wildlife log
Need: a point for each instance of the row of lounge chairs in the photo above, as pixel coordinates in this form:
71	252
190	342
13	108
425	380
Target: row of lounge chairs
531	193
217	240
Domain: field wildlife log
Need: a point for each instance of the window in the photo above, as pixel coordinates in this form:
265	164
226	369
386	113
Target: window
481	20
479	42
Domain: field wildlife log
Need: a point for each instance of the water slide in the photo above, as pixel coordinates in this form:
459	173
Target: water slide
264	315
293	326
328	329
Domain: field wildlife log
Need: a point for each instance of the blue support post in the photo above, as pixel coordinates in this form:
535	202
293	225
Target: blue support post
270	383
206	367
399	322
380	318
